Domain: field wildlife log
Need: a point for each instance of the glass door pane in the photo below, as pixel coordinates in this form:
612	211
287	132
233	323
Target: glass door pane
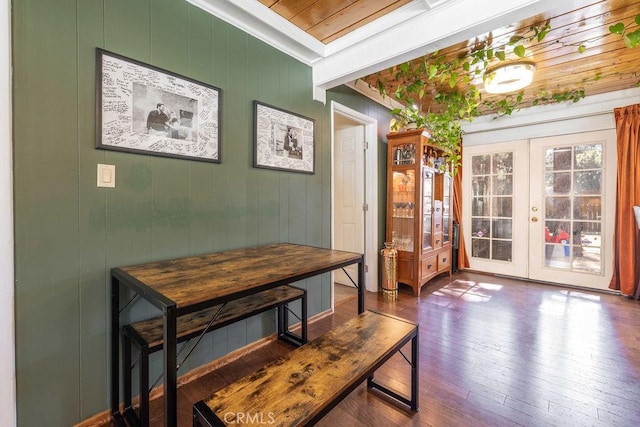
403	204
492	206
573	194
404	154
427	209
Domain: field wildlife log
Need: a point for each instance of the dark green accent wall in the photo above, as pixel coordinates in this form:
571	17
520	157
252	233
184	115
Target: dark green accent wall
69	233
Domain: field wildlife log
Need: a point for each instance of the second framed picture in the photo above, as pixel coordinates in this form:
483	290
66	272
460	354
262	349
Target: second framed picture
283	140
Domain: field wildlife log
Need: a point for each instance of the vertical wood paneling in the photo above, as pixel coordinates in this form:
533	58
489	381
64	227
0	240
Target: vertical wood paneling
256	326
94	286
127	28
170	177
269	189
46	211
220	183
201	174
69	233
237	136
236	173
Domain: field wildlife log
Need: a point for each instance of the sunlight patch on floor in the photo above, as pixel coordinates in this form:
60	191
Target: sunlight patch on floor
466	290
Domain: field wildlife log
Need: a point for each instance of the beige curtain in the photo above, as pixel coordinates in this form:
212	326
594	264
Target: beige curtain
626	266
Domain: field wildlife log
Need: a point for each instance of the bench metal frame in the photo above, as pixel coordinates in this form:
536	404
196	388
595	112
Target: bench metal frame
130	335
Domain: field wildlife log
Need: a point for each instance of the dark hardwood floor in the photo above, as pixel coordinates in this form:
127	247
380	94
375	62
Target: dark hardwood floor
493	352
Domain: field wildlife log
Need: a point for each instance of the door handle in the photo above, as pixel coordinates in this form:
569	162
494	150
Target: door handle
534	219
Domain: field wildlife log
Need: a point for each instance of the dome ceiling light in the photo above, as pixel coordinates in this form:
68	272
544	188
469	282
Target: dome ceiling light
509	77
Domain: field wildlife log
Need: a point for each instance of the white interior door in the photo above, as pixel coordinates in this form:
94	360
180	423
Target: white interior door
349	195
543	208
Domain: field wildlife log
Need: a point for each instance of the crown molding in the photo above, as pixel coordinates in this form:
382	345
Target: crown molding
256	19
372	93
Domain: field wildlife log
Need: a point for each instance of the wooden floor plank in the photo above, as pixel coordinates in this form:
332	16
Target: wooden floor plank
493	352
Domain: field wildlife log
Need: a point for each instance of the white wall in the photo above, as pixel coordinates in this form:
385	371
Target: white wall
7	337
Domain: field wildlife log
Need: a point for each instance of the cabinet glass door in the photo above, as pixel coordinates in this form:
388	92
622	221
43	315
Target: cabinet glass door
446	207
427	209
403	205
404	154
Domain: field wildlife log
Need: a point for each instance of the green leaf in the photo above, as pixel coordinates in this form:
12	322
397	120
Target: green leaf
582	48
453	80
627	41
519	50
490	54
514	39
541	35
466	66
501	55
638	19
433	70
617	29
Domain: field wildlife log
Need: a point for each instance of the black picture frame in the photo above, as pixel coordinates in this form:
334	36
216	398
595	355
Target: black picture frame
283	140
144	109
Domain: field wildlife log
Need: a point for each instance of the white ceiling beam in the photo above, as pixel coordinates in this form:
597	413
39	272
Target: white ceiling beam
432	30
416	29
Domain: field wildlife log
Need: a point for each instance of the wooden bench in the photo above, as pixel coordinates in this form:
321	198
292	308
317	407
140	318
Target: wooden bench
148	334
304	385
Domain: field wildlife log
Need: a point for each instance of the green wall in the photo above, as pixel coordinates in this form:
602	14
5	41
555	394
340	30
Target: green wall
69	233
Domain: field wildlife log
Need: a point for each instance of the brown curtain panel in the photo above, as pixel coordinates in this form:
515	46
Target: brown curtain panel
463	259
626	265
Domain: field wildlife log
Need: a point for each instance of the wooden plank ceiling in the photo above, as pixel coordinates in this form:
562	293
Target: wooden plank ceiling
606	65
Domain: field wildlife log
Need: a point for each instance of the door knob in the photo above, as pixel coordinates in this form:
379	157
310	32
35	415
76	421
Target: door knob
534	219
534	209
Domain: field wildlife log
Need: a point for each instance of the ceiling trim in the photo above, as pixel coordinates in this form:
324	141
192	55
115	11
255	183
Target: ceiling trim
416	29
363	88
258	20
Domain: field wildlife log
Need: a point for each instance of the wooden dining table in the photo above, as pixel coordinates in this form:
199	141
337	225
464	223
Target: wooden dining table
184	285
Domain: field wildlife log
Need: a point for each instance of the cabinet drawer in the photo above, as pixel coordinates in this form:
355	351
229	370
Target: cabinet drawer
428	266
437	240
444	260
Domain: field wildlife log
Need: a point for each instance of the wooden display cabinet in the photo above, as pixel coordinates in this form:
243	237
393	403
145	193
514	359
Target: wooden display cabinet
419	216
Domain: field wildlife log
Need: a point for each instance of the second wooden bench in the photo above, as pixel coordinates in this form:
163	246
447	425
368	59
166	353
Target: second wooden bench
148	334
302	386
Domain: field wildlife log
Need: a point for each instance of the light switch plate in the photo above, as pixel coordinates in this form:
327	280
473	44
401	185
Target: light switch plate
106	176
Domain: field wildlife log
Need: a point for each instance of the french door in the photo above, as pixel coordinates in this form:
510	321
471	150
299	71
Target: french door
542	208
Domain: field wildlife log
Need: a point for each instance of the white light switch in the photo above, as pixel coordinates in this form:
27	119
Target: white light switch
106	175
